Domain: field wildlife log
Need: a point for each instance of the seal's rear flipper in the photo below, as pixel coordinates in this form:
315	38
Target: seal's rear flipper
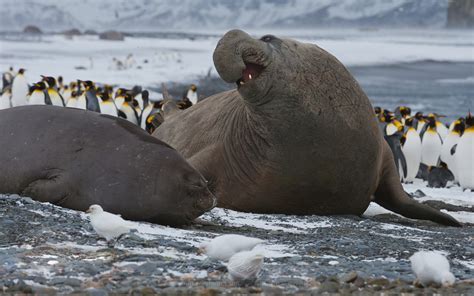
390	195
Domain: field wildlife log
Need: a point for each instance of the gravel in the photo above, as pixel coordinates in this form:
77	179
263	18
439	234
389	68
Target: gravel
48	249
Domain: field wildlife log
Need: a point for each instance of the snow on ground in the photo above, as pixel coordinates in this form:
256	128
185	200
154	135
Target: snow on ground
184	59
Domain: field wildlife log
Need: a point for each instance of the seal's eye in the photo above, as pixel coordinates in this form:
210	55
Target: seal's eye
267	38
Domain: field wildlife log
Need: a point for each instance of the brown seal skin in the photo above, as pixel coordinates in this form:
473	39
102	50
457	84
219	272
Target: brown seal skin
298	138
75	158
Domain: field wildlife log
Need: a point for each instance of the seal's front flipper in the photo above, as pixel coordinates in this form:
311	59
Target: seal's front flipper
49	187
390	195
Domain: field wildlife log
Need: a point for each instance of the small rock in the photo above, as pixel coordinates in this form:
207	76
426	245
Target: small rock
329	287
349	277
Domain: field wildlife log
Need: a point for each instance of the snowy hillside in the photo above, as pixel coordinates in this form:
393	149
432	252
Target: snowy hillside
55	15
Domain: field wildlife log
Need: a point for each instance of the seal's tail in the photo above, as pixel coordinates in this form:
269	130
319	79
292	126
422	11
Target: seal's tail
390	195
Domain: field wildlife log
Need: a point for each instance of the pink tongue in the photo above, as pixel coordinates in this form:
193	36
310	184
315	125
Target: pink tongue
252	70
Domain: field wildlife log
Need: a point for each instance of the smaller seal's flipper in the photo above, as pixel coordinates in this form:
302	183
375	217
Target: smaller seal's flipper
390	195
50	187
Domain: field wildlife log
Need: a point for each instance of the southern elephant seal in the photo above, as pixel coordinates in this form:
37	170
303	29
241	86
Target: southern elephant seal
297	136
75	158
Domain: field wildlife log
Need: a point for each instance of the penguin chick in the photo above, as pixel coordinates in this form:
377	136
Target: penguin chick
439	176
431	268
108	225
225	246
245	266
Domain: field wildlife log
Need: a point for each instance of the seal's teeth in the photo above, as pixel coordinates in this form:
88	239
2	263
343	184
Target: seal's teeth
250	76
241	82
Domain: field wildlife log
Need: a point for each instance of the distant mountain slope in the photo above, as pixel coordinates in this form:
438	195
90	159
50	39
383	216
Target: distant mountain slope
208	14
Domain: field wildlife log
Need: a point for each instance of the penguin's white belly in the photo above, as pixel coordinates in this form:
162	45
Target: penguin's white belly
442	130
465	159
37	98
430	148
81	102
119	101
451	140
66	96
19	91
412	151
420	127
145	114
130	115
55	98
72	103
108	108
5	101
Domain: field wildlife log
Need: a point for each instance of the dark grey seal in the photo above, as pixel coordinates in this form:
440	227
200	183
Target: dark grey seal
297	136
75	158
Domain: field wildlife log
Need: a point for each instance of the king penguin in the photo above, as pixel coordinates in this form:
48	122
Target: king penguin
431	144
191	94
127	110
52	91
411	148
420	122
107	106
5	99
20	89
464	155
7	79
72	102
440	127
120	97
452	139
38	95
92	103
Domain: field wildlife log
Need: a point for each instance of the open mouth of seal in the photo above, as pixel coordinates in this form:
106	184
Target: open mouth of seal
251	72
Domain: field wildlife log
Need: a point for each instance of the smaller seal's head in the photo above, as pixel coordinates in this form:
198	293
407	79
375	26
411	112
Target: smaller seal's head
181	193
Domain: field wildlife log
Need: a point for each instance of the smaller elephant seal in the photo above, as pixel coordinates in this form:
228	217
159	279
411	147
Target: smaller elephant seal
75	158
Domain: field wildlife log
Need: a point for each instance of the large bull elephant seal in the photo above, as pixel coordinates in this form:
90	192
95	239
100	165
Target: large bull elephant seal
75	158
297	136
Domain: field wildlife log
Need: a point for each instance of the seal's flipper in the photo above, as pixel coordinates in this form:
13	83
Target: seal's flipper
48	188
390	195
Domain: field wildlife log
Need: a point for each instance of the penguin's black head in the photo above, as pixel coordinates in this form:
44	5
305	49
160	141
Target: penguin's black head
193	87
121	92
469	120
50	80
60	79
128	98
21	71
431	122
135	103
377	110
88	85
419	116
40	85
74	94
145	94
459	126
104	96
409	122
405	111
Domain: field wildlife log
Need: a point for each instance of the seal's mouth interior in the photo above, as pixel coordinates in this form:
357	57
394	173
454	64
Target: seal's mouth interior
251	71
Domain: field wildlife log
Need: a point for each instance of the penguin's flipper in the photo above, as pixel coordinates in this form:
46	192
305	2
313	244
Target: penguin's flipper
62	99
453	149
121	114
47	99
423	130
396	148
